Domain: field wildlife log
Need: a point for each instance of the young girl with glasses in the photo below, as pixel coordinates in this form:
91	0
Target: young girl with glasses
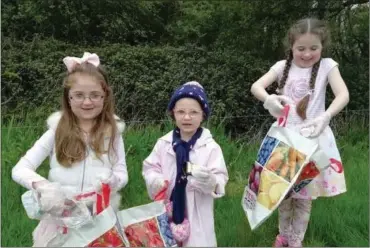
190	163
84	145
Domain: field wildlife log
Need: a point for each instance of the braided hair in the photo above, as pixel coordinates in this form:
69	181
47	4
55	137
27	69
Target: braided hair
308	25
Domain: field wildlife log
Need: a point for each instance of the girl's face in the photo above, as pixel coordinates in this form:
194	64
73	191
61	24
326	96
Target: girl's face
188	116
306	50
86	97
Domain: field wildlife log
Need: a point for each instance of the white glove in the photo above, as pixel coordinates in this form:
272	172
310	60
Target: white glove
202	178
317	125
51	198
200	173
206	187
157	184
106	178
273	103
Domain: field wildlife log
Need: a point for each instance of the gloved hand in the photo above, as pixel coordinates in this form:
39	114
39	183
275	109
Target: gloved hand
106	178
318	124
202	179
207	187
51	197
157	184
200	173
273	103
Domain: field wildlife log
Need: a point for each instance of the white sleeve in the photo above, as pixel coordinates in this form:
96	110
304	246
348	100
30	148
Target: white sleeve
278	67
152	169
218	167
24	172
329	64
120	168
326	65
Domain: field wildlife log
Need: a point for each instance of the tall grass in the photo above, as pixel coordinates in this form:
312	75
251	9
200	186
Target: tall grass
337	221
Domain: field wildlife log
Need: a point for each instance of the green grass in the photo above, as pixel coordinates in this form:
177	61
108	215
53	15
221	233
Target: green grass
337	221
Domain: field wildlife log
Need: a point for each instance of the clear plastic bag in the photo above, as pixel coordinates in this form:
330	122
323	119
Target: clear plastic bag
50	203
31	204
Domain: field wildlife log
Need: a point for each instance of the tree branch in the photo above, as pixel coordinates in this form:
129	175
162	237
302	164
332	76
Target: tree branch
8	100
353	2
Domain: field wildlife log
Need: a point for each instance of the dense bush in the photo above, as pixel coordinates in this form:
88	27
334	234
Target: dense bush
143	78
150	47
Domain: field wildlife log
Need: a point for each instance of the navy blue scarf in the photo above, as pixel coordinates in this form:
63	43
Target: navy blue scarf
182	149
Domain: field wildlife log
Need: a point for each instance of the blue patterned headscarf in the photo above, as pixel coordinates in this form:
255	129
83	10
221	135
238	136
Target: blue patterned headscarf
193	90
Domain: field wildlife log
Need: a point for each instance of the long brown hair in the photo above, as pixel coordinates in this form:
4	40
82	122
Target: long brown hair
304	26
70	145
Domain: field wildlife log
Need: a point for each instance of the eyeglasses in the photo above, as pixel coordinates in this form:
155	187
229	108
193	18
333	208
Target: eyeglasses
192	113
79	97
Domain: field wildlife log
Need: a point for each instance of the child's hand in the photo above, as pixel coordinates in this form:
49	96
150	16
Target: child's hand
200	173
319	124
206	187
157	185
273	103
106	178
51	197
202	178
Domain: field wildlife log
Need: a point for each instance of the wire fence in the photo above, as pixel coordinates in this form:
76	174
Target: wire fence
346	114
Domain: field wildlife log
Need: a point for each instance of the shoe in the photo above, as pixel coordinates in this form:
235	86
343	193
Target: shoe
281	241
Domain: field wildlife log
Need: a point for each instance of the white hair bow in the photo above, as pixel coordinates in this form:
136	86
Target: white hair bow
90	58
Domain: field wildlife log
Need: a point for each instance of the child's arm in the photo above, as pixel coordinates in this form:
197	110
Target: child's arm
258	87
120	168
340	101
270	102
24	171
218	168
152	171
340	91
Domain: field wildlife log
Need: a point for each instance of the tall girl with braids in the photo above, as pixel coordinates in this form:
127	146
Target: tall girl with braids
302	81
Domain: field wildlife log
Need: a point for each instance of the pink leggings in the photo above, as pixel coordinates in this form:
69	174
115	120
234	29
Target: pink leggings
294	215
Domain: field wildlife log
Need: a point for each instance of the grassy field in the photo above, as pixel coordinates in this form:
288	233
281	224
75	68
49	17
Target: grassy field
338	221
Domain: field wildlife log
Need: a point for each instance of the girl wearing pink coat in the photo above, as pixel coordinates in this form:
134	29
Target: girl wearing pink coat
193	164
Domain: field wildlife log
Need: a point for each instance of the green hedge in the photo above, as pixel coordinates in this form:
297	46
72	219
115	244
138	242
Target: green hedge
143	79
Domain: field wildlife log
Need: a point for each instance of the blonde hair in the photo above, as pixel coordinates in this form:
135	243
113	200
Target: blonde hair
304	26
70	145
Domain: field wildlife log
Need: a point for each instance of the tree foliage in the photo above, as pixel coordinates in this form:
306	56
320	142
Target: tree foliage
150	47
